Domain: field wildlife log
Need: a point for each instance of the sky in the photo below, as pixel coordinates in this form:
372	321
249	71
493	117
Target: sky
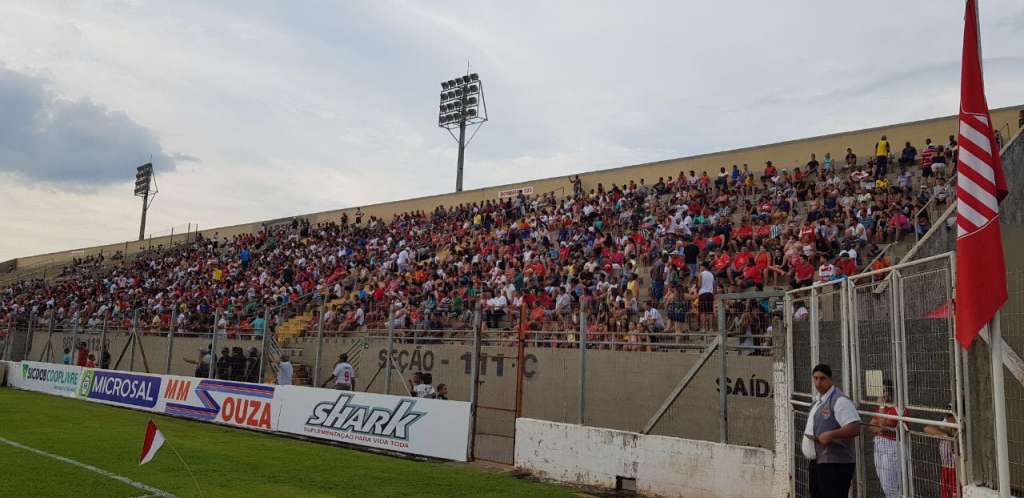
253	110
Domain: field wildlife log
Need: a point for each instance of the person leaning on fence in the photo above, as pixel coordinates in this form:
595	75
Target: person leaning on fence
886	446
827	444
948	484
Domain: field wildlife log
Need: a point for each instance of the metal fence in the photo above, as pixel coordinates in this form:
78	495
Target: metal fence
888	336
629	371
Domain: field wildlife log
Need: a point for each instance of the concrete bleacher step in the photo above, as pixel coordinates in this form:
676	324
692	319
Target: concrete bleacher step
296	325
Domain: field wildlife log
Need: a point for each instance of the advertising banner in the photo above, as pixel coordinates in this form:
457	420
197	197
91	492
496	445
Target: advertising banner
428	427
121	388
50	378
515	192
234	403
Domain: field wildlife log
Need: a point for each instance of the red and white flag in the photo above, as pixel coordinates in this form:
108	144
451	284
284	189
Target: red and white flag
154	440
980	270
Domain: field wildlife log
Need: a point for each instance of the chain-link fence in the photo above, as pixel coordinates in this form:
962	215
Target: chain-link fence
1013	334
888	337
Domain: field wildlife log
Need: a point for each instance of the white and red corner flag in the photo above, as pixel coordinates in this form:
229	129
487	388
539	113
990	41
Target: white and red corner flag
980	270
154	440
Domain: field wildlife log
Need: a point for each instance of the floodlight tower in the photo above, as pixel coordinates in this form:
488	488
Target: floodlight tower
462	106
143	178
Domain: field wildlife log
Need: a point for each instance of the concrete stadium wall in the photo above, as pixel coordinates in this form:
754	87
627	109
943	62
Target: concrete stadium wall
784	154
661	466
150	349
623	389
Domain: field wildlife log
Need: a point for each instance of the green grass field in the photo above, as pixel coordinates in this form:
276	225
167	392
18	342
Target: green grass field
226	461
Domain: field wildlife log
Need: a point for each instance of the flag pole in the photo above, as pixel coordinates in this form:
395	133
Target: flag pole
999	406
182	460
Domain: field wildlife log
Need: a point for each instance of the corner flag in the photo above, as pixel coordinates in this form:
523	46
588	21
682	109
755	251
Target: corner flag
154	440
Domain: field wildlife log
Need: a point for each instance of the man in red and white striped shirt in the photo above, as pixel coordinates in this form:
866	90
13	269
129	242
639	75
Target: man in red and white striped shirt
948	484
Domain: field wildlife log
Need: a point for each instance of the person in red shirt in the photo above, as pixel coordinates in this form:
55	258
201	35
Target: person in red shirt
753	276
722	264
83	354
803	273
744	232
846	264
701	242
763	231
739	265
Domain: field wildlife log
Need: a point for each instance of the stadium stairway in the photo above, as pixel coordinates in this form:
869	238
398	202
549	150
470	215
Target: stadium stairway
296	325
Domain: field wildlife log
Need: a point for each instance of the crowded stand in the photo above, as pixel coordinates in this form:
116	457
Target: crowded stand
642	259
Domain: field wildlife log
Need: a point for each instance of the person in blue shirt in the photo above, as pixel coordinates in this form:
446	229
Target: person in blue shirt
908	156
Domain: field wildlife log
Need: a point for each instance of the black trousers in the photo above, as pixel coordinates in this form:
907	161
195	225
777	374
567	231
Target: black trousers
830	480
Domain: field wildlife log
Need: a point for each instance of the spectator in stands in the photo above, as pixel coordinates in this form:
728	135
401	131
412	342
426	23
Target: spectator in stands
657	275
939	163
67	356
495	308
652	321
706	297
577	186
285	371
812	165
851	158
90	362
882	151
908	156
827	164
442	392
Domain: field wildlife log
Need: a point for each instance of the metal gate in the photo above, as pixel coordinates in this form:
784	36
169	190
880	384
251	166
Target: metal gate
889	337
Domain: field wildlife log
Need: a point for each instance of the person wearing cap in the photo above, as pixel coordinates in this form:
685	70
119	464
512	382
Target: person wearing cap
832	424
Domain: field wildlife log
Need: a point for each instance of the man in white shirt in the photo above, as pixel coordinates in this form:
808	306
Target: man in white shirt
652	320
284	371
827	270
495	310
827	444
344	376
706	297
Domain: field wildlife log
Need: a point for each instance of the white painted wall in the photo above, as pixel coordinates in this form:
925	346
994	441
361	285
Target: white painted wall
662	466
976	491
